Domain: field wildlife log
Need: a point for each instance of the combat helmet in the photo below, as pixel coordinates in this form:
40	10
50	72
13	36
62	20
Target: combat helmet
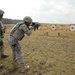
1	12
27	19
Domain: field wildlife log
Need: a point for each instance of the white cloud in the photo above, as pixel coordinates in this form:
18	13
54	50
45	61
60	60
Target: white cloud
51	11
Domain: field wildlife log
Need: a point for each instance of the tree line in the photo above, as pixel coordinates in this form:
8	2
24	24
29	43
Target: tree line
10	21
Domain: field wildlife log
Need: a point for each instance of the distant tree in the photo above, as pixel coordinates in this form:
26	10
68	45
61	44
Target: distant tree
10	21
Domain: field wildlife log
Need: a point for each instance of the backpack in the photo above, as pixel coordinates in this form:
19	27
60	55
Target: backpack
16	27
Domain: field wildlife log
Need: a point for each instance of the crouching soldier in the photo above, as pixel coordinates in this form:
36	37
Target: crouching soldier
2	55
17	34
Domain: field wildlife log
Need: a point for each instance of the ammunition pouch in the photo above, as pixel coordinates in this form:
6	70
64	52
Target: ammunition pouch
20	38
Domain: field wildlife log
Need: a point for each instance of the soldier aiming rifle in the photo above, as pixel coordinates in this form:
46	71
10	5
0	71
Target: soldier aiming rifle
17	34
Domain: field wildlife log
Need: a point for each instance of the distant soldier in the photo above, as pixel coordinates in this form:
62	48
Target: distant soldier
1	37
17	34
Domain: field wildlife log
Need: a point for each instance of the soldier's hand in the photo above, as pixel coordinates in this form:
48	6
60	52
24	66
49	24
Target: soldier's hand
30	27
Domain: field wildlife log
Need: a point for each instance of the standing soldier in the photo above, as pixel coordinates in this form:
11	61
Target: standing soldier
17	34
1	36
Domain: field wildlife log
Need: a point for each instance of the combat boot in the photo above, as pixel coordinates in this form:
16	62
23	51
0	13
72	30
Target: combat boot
14	63
22	69
4	56
1	66
27	67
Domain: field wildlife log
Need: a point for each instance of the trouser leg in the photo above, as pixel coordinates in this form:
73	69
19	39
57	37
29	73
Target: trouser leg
19	54
2	55
13	53
20	58
16	53
1	47
2	50
17	49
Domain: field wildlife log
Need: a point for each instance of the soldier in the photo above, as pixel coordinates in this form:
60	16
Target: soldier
1	36
17	34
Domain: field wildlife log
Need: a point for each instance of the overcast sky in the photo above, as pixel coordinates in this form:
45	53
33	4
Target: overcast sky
45	11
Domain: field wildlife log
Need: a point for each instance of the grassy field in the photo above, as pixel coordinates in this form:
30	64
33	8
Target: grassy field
45	52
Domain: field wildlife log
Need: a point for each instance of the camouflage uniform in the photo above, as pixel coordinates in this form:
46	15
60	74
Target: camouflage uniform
1	38
2	31
17	33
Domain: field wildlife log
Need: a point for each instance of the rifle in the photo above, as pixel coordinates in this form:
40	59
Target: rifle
35	25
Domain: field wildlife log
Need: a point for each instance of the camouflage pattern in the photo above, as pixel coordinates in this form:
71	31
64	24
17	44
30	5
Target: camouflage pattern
1	12
2	29
17	33
1	47
27	19
1	40
16	50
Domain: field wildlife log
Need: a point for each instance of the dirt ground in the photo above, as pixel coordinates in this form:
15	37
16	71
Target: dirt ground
46	52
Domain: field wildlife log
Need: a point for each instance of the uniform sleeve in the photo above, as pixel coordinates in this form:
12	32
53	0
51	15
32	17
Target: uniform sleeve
27	31
2	26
